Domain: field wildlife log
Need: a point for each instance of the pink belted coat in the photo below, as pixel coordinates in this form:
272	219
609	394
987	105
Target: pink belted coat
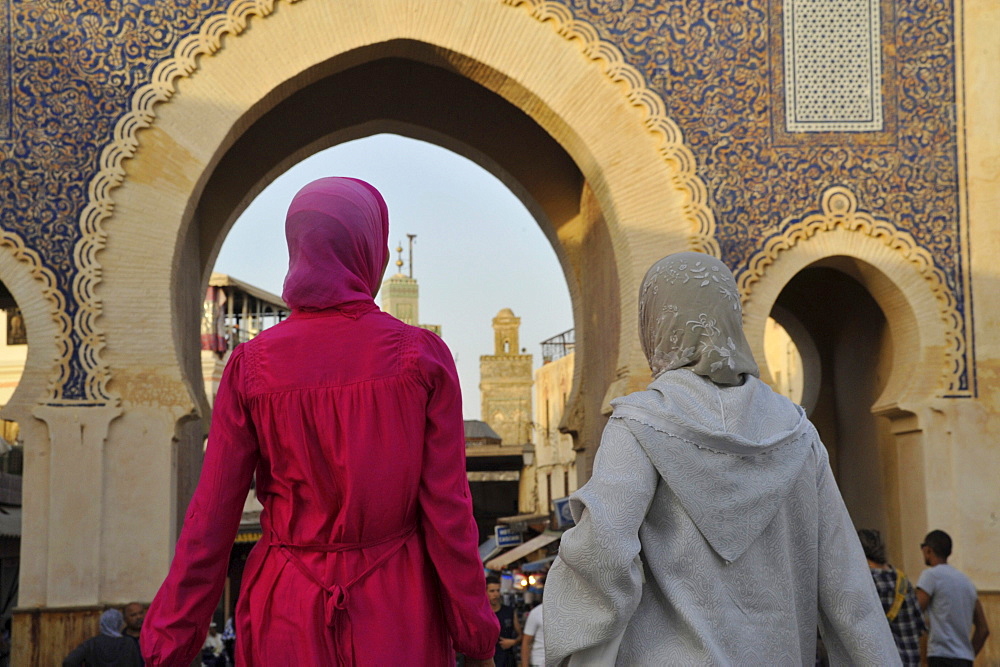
352	421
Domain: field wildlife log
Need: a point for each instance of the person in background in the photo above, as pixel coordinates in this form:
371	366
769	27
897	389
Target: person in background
510	626
533	640
712	530
133	612
952	606
229	639
107	649
213	651
351	423
899	599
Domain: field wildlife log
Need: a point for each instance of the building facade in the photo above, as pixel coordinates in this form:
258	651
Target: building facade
554	456
841	158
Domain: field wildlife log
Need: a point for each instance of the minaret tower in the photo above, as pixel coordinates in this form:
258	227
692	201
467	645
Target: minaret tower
401	295
505	383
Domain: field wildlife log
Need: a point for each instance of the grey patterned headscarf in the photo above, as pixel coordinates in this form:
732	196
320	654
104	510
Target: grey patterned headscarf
690	317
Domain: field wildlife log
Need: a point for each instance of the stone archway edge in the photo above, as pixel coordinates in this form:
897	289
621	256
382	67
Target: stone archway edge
122	146
233	21
672	148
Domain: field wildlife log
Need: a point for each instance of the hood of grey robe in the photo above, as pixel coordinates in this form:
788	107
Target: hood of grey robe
729	453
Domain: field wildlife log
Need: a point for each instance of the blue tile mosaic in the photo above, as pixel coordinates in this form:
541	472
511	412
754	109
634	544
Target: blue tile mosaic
5	78
68	69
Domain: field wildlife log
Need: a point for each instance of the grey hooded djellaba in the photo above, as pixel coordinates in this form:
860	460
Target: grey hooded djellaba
712	531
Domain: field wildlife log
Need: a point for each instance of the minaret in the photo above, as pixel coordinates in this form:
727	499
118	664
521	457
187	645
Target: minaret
401	294
505	383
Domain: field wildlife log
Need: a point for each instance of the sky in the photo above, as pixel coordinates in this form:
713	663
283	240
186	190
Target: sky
478	249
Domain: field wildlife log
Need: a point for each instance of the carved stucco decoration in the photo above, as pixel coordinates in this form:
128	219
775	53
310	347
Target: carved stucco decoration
839	210
100	204
675	153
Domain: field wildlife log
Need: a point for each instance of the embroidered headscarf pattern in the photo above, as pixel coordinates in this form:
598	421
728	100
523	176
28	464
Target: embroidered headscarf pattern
690	317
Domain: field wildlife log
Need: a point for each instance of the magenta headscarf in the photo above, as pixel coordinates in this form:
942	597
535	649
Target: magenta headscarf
337	231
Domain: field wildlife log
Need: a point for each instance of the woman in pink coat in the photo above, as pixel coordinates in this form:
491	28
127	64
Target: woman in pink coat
352	422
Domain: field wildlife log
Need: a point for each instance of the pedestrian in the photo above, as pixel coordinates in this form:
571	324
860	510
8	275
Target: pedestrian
351	423
533	639
213	651
949	598
712	530
510	625
134	613
229	640
898	596
107	649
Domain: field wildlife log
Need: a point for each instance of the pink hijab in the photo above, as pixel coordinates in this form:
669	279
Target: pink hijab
337	231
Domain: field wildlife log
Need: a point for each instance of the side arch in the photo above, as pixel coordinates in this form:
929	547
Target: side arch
43	306
898	273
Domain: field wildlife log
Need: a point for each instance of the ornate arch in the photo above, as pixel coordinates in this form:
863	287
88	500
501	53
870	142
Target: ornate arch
34	287
677	159
911	290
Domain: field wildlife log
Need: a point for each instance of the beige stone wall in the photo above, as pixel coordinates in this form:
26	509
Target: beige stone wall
555	460
505	388
970	432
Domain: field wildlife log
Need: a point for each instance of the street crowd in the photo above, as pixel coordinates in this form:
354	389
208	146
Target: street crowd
712	530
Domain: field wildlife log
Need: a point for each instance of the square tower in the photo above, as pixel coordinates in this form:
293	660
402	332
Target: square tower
505	383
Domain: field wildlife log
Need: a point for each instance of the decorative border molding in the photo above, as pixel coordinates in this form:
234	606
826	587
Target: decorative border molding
123	145
57	304
670	138
839	210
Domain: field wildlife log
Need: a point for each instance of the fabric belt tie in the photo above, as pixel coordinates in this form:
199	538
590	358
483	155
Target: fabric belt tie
336	613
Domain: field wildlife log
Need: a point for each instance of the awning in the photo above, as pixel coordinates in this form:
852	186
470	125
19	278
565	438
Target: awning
523	518
522	550
489	549
537	565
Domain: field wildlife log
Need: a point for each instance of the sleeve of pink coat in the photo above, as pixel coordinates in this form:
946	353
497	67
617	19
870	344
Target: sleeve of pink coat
177	621
449	529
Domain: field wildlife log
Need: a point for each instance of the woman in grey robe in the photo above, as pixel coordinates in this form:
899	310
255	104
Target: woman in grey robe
712	530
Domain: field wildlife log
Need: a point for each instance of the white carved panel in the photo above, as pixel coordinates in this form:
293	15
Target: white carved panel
833	66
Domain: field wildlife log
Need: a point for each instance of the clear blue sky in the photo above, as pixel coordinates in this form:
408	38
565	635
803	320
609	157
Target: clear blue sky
478	250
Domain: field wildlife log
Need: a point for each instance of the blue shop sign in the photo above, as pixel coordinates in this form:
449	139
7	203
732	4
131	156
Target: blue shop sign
507	537
564	517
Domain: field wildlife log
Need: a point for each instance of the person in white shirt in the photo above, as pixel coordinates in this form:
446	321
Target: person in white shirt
949	599
533	640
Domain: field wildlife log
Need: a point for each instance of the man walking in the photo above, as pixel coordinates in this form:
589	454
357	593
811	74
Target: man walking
952	607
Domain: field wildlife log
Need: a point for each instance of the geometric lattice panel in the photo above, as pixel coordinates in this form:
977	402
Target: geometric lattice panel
833	66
